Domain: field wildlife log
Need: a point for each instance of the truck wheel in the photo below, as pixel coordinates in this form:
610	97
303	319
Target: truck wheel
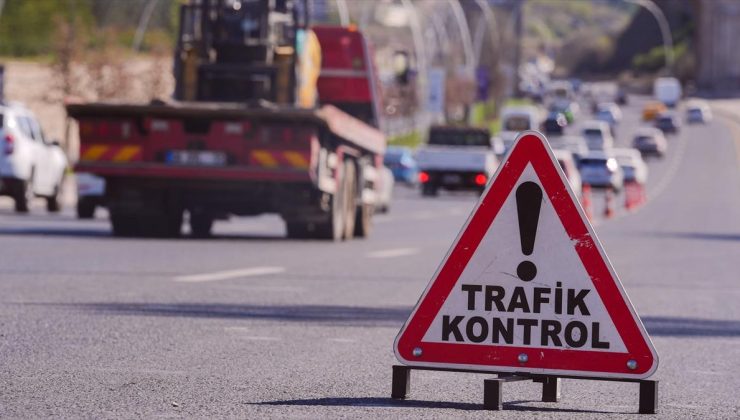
429	190
297	230
332	229
170	224
124	225
350	199
364	220
201	224
85	208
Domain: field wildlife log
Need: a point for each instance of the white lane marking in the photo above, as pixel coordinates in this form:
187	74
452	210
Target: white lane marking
342	340
393	253
258	338
229	274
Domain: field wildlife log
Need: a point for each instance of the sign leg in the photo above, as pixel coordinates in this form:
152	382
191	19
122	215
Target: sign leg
492	394
401	382
648	397
551	389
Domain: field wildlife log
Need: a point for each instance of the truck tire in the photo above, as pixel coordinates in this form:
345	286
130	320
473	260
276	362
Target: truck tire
333	228
85	208
201	224
297	230
124	224
167	225
350	199
364	220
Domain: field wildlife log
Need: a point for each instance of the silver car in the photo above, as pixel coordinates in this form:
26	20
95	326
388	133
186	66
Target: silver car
601	170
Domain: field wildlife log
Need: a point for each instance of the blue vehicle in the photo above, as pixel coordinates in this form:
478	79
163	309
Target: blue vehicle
401	162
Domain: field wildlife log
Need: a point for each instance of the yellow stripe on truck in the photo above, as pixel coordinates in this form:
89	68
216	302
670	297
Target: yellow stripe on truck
94	152
264	158
296	159
126	153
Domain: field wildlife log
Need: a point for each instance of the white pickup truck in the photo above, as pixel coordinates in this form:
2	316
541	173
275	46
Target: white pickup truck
30	164
456	158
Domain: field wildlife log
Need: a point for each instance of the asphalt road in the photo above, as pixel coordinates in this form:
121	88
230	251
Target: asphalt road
252	325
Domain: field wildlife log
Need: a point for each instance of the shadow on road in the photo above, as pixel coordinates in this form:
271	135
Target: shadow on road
691	327
391	403
369	316
696	235
342	315
104	232
77	232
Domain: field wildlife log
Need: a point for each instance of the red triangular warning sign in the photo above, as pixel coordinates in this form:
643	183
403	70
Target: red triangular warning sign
527	287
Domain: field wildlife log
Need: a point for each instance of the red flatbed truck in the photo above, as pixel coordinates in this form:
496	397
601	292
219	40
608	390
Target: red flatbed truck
257	126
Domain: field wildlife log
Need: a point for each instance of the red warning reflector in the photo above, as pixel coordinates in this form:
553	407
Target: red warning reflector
527	287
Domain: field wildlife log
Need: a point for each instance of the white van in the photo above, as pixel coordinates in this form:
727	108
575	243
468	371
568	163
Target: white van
667	90
515	119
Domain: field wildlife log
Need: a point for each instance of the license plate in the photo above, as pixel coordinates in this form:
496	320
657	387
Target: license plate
196	157
452	179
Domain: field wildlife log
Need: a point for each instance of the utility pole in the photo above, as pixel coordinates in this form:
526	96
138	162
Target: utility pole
518	34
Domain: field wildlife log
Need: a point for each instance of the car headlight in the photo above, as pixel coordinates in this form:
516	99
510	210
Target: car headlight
612	165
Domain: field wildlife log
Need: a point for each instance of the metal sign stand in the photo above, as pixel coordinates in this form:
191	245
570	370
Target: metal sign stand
493	393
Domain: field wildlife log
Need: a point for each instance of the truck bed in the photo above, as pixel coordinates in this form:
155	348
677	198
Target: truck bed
452	158
343	125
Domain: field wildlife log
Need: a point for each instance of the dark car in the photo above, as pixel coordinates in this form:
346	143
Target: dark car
667	123
555	123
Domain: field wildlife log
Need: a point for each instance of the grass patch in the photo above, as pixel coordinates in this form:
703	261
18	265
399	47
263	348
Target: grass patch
411	140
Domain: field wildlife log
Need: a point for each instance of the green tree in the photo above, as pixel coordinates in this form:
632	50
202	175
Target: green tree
27	27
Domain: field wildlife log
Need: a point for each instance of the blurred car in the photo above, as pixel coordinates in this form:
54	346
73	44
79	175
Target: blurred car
574	144
633	166
650	141
401	162
698	112
621	97
515	119
598	135
667	90
652	109
570	168
555	123
610	113
30	164
90	194
385	193
600	169
613	109
499	148
568	108
667	122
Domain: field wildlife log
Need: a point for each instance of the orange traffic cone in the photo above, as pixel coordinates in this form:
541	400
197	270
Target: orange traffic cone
586	200
631	195
609	210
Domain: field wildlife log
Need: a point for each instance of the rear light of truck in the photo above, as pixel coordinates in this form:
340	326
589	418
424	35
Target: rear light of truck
9	144
481	179
106	129
423	177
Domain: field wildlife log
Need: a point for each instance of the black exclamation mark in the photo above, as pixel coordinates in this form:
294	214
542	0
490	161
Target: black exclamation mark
528	202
